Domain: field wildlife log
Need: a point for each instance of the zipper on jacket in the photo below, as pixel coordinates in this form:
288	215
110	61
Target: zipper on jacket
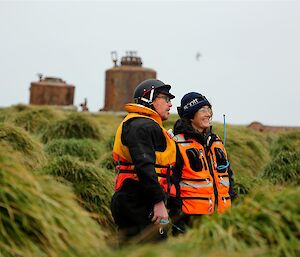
204	163
213	177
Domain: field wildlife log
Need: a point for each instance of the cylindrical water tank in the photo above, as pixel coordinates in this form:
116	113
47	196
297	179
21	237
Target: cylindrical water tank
120	82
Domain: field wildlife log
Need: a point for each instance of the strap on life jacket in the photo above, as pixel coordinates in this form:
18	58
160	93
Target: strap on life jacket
118	165
166	175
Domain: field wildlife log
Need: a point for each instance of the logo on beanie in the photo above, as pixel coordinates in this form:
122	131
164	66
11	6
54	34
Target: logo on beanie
191	104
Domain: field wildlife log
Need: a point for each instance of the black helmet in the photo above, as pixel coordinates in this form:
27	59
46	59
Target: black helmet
148	90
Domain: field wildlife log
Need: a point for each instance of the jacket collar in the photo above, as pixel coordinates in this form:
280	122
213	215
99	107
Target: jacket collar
143	110
182	127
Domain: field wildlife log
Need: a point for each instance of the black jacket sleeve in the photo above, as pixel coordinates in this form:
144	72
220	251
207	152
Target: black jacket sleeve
143	137
232	192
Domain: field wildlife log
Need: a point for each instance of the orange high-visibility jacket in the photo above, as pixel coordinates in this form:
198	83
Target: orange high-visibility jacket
164	160
204	187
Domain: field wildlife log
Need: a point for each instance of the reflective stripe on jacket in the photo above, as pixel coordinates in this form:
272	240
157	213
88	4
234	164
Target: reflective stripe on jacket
165	160
204	184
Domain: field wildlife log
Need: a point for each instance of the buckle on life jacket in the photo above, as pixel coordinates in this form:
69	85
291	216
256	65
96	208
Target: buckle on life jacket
118	165
170	167
210	207
167	176
224	182
117	169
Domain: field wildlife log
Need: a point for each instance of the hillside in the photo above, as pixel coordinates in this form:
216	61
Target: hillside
57	180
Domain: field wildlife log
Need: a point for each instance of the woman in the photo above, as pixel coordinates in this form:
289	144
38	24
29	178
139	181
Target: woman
203	172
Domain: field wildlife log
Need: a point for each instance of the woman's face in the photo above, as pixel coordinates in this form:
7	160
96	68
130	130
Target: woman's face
202	119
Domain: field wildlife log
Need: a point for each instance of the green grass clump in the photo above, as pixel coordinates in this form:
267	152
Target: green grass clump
32	154
35	120
94	186
285	164
109	143
243	184
174	247
284	168
247	150
107	161
84	149
286	142
76	125
8	114
268	217
39	217
19	107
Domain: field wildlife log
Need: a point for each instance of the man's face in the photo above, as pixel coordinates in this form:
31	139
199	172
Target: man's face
162	104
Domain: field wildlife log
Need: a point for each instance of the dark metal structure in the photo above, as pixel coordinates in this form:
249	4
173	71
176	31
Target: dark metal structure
51	91
120	81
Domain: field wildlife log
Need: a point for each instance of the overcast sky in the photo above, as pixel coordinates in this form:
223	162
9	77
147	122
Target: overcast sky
249	66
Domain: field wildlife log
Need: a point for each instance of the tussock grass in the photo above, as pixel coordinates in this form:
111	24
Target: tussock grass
8	114
84	149
286	142
35	120
93	185
109	143
20	107
107	161
40	217
76	125
32	154
284	168
243	184
109	120
285	164
268	217
247	150
175	248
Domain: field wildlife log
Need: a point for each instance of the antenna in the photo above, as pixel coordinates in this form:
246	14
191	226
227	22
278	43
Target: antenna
114	57
40	75
224	119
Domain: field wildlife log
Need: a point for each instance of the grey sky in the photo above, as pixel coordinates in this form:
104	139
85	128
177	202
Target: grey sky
248	69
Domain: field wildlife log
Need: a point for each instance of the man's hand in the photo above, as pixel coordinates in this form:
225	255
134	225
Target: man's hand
159	212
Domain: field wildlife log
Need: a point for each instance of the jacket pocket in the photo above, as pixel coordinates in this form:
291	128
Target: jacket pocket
198	204
224	203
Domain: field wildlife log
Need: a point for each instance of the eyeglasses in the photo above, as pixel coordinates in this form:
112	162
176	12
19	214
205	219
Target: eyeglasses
166	98
206	109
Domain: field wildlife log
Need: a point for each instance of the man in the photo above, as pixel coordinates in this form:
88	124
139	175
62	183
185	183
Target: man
142	151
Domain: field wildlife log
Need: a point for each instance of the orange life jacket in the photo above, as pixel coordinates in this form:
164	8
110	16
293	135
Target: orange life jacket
204	186
165	161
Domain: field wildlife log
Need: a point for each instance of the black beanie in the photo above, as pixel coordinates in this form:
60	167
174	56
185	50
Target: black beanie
191	103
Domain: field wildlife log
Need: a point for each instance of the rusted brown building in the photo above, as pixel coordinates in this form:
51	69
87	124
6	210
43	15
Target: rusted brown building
51	91
263	128
120	81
